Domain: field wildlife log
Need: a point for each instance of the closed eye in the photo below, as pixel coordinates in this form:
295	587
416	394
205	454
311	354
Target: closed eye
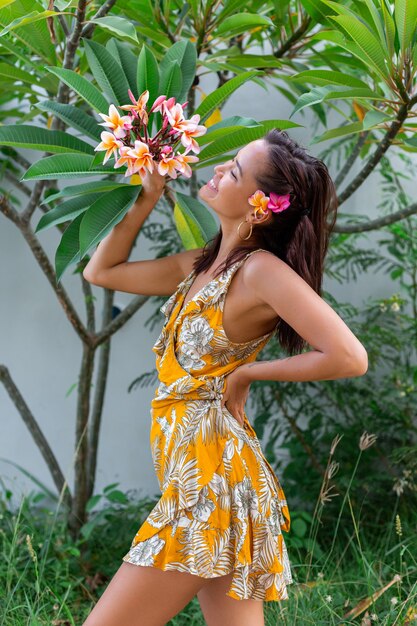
234	176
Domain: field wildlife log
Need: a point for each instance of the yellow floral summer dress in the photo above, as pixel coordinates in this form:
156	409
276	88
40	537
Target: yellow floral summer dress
222	507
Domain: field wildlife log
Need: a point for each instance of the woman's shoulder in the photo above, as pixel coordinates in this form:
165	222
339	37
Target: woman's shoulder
266	269
264	260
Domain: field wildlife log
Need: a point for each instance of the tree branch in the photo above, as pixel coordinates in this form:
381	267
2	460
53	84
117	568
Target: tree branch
21	186
379	152
88	29
37	435
70	49
100	390
296	35
351	159
64	25
19	158
78	510
118	321
35	196
377	223
46	267
89	304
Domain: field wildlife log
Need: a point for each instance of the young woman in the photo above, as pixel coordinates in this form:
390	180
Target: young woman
216	531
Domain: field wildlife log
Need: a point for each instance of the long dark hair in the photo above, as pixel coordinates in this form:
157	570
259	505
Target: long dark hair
299	240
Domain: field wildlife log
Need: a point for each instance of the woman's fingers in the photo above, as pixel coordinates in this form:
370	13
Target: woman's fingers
235	413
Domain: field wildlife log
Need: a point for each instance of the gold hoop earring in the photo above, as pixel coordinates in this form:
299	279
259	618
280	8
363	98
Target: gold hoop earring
238	230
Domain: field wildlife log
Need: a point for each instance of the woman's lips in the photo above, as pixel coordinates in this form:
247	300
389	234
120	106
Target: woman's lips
212	185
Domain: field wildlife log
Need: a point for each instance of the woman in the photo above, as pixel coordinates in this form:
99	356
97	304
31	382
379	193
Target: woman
216	531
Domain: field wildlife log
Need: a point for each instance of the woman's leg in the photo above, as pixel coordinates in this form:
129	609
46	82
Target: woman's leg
144	596
222	610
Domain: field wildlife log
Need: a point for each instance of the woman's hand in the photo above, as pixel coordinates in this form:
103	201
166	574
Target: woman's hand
236	393
153	183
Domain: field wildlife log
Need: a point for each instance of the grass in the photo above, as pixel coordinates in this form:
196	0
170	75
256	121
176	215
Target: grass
343	573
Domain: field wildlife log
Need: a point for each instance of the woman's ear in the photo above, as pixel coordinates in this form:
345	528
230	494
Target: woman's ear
259	218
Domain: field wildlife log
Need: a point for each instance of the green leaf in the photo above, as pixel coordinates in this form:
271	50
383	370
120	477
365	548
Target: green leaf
83	87
120	26
225	127
96	186
117	496
210	163
104	214
108	73
215	98
16	73
194	6
34	36
23	136
405	14
73	117
411	141
397	272
147	77
343	131
229	7
183	51
247	60
25	20
171	80
354	60
92	501
327	77
126	59
109	487
194	222
66	211
299	527
373	118
378	21
242	137
370	47
67	166
320	94
155	35
68	251
389	31
87	528
318	11
241	23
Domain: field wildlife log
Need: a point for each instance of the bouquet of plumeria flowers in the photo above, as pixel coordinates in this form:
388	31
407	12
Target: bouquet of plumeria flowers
131	145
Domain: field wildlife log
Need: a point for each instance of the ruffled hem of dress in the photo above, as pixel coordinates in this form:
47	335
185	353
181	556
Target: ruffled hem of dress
251	580
253	590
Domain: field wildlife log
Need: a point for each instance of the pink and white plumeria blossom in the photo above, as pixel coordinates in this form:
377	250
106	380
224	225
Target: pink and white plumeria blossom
273	202
119	125
128	139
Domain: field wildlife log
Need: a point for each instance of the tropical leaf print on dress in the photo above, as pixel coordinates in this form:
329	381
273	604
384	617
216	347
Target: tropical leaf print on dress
222	507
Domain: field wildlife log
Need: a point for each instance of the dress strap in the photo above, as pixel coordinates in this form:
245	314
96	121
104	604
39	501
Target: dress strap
235	266
249	254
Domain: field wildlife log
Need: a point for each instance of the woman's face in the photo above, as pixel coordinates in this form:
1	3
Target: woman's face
233	182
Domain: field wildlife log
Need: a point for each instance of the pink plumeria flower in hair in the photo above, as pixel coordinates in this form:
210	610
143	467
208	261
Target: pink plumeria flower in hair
278	203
